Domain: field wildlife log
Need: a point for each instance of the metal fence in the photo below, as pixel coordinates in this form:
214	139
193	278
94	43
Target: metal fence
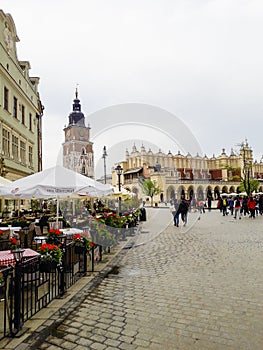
25	289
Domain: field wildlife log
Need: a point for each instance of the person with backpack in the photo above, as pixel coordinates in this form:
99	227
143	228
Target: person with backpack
224	206
237	207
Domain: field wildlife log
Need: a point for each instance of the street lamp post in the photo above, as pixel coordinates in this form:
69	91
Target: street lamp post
104	155
18	322
119	173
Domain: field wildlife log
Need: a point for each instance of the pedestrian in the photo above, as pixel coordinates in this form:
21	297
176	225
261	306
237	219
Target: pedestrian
251	204
182	209
224	206
260	204
237	207
220	204
201	206
209	203
231	205
244	207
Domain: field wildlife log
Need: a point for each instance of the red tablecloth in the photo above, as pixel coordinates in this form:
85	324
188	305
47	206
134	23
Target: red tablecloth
7	258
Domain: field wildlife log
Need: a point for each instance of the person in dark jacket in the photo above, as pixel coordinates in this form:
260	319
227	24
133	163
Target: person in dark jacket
182	209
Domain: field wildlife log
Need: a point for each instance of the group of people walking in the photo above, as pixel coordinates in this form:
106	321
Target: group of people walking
237	206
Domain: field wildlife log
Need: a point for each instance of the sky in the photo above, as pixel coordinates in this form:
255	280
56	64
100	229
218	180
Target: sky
199	61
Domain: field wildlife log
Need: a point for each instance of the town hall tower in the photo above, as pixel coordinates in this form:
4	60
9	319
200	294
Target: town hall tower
77	148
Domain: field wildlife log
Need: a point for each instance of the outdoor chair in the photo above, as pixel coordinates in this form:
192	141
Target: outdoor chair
4	244
45	230
22	238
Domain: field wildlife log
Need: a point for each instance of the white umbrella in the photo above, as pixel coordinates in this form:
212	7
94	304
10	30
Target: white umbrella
56	182
242	194
123	192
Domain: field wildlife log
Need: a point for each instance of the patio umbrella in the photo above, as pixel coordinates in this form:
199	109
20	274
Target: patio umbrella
123	193
56	182
242	194
233	194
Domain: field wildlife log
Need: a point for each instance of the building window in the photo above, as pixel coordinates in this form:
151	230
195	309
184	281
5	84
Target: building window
6	142
83	170
6	98
15	107
23	115
15	147
23	152
30	121
30	156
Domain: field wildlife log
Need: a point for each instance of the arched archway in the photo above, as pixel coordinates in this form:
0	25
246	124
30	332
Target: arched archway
224	189
209	193
180	192
200	192
170	194
216	192
232	189
190	192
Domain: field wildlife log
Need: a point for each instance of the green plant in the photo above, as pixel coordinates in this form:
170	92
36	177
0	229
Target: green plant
1	277
81	240
54	236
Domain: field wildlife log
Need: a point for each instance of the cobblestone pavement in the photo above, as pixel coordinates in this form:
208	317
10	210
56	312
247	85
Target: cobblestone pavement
183	289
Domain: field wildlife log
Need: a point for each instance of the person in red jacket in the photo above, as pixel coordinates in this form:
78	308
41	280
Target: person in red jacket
252	207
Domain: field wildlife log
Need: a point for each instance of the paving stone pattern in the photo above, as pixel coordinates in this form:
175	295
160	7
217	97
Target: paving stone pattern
196	289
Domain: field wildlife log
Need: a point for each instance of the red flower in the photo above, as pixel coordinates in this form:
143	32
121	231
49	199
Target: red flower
77	236
92	244
56	232
13	241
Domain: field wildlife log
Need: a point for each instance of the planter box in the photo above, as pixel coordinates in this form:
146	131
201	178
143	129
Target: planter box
47	266
79	249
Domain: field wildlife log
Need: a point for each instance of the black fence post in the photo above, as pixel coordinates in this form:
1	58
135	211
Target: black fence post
18	320
100	252
92	258
85	261
62	269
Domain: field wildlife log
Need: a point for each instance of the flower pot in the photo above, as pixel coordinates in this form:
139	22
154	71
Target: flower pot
79	249
47	266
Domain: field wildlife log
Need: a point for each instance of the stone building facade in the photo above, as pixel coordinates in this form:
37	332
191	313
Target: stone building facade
21	109
192	176
77	148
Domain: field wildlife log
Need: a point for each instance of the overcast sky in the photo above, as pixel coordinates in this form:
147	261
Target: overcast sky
200	60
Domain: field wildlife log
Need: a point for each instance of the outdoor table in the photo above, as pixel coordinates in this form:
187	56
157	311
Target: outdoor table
12	229
7	258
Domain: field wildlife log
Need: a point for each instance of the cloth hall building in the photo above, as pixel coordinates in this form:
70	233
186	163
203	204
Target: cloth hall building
191	176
